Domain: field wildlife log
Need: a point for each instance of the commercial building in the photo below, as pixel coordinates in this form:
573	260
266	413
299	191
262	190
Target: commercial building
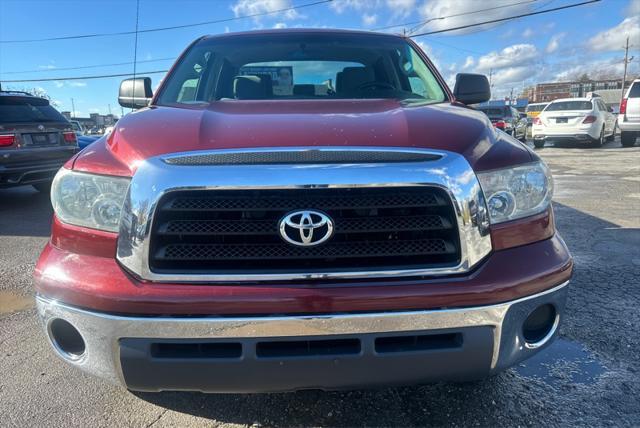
545	92
94	119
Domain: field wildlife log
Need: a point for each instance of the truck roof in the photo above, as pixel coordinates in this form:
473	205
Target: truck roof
302	31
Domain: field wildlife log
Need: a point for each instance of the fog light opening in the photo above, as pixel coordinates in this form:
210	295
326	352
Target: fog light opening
540	326
66	339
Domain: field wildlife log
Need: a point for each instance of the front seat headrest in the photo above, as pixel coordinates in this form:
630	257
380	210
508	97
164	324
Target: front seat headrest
350	78
252	87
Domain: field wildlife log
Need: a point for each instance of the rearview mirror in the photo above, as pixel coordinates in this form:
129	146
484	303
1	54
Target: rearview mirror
471	88
135	93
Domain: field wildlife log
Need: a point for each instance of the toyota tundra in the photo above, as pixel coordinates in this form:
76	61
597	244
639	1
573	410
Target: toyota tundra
302	209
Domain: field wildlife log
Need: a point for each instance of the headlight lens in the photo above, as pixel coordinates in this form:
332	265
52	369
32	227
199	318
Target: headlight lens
518	192
89	200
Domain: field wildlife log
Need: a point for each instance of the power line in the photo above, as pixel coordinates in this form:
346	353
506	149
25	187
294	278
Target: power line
451	16
174	27
104	76
41	70
523	15
417	27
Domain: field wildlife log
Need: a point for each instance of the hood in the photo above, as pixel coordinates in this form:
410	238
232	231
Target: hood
236	124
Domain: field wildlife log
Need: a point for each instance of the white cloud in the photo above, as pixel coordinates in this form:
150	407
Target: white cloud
614	38
511	56
633	8
469	62
467	12
47	67
359	5
528	32
69	84
253	7
554	43
280	25
369	20
401	7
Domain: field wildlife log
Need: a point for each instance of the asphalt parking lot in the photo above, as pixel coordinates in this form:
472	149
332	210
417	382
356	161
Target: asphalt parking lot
591	376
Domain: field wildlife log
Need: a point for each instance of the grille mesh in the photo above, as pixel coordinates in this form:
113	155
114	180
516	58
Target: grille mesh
301	157
237	231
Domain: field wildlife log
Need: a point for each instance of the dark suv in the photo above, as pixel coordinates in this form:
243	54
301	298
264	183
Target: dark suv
507	119
35	140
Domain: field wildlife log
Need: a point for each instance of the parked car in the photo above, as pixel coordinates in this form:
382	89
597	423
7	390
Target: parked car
241	237
533	110
629	116
83	139
35	140
583	120
507	119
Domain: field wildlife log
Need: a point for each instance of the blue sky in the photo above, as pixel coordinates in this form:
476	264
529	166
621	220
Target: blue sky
555	46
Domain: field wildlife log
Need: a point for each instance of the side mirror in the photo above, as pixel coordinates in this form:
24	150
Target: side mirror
135	93
471	88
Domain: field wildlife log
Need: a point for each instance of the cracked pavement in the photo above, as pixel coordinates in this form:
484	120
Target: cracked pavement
590	377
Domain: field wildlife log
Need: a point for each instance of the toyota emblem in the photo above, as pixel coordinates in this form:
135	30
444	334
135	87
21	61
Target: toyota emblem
306	228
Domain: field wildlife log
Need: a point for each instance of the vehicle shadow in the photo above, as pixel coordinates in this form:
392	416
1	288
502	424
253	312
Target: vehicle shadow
25	212
607	261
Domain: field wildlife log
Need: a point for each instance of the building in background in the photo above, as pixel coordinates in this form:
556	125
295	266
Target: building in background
94	120
545	92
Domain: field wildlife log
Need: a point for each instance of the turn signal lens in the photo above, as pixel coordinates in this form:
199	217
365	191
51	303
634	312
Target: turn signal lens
500	124
537	121
589	119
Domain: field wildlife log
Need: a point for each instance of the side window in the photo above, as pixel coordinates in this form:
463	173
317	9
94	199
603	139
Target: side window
417	86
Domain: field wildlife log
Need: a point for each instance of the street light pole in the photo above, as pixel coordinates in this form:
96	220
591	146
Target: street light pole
624	76
73	109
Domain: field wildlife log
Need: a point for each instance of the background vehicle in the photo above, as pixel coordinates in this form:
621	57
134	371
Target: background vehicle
83	140
35	140
507	119
244	234
574	119
629	116
533	110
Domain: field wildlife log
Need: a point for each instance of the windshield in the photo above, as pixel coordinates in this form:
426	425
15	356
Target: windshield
301	66
24	109
496	112
535	107
569	105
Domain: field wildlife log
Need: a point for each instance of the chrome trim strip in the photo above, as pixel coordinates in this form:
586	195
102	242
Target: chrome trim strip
155	177
102	332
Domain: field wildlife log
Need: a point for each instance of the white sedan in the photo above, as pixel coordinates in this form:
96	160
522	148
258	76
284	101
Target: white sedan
586	120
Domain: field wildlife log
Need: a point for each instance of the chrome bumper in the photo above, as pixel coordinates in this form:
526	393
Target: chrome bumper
103	333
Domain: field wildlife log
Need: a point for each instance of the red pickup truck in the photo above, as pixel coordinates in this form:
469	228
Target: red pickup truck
301	209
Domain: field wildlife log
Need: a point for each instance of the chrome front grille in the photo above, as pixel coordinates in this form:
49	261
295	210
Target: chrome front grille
191	217
237	231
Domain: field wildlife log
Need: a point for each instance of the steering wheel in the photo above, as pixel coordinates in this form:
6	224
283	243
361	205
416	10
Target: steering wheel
375	84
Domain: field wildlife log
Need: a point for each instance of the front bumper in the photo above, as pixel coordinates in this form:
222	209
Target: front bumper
284	353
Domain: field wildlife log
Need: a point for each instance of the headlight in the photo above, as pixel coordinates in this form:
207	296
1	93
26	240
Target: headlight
88	200
518	192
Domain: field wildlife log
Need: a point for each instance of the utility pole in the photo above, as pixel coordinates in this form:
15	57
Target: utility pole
511	98
109	108
490	76
627	60
73	109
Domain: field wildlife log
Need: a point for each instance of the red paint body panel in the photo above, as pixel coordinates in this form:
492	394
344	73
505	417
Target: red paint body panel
98	283
285	123
82	240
